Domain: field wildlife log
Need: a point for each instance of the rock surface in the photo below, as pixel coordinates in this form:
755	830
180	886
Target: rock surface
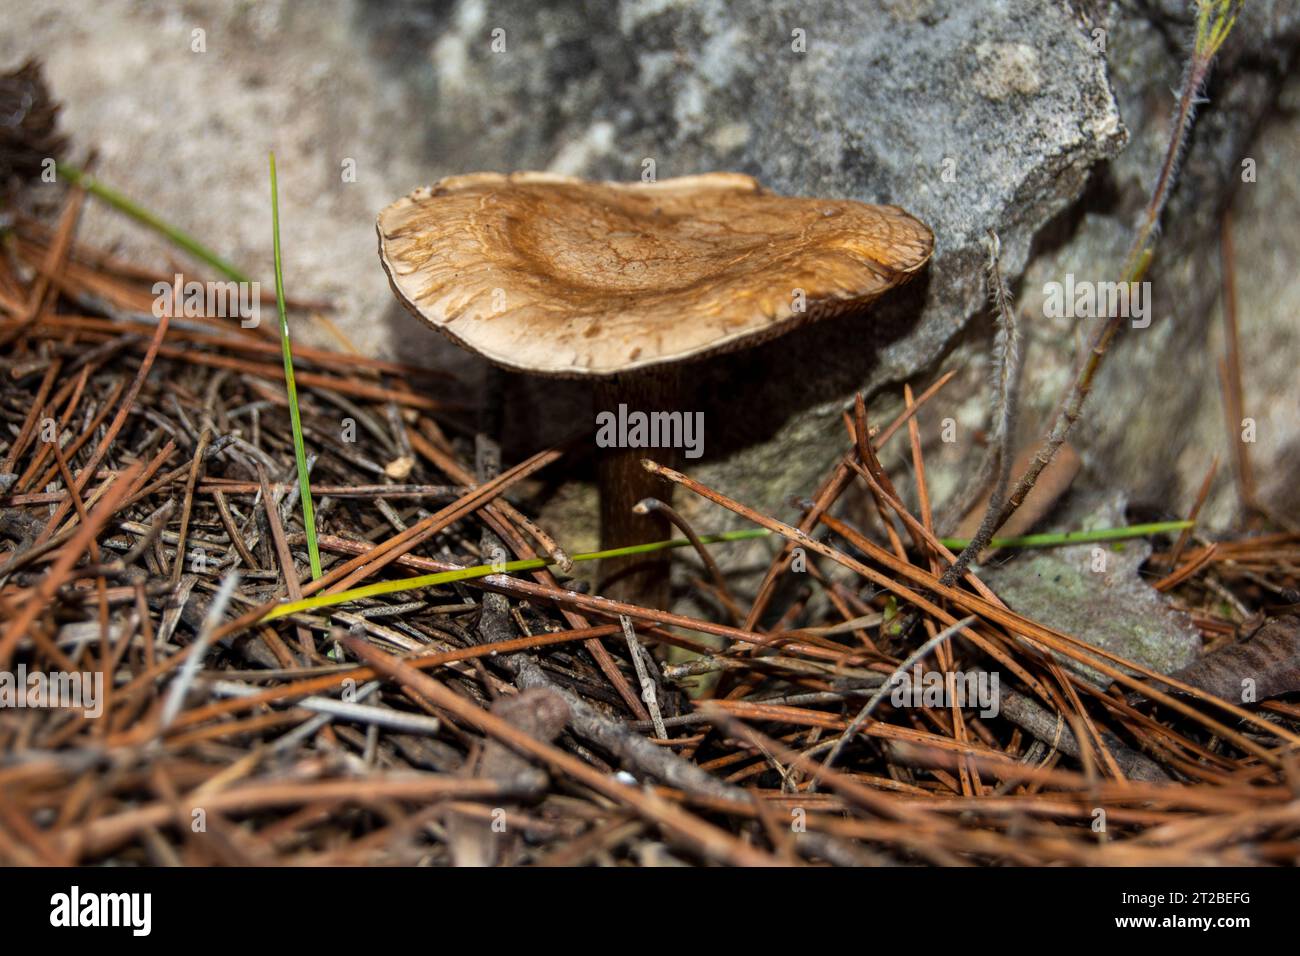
1044	121
1095	593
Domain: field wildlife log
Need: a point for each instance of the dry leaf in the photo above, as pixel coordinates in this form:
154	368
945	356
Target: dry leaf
1265	665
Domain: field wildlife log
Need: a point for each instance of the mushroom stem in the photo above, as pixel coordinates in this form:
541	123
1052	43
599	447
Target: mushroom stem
623	482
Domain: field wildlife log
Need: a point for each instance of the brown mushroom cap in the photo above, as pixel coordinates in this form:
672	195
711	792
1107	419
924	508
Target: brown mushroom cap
560	276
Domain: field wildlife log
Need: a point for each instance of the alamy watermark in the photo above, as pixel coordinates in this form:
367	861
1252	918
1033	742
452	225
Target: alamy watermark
636	429
1085	299
978	689
220	300
75	908
82	691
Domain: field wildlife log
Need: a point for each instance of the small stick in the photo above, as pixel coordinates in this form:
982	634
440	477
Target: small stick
643	677
361	713
705	837
176	693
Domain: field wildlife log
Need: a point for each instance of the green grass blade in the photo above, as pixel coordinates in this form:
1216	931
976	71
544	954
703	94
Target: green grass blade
1075	537
533	564
141	215
299	453
483	570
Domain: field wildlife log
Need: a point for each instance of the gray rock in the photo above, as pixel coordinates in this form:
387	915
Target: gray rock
1096	593
1045	138
972	117
1156	418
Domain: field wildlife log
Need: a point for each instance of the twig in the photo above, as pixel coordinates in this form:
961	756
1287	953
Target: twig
1215	19
643	677
181	685
707	839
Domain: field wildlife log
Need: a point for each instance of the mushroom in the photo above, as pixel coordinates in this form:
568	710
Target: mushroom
622	282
